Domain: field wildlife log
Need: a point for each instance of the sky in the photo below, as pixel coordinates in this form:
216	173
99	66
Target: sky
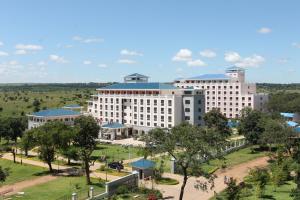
99	41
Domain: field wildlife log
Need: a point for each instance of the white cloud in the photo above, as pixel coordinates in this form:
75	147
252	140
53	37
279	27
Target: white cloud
29	47
232	56
126	52
252	61
295	44
196	63
283	60
1	43
41	63
264	30
21	52
102	65
3	53
183	55
126	61
179	69
87	62
57	59
87	40
208	53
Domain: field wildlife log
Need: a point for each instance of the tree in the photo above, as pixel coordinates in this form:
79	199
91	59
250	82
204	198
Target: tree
214	119
259	177
36	104
233	189
275	133
85	140
48	138
3	174
15	129
250	125
28	141
66	145
189	145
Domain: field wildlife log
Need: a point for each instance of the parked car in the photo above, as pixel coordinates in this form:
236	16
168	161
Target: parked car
116	165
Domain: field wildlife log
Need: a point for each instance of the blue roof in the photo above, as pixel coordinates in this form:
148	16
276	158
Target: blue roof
288	115
139	86
55	112
291	123
113	125
143	164
232	124
210	77
137	75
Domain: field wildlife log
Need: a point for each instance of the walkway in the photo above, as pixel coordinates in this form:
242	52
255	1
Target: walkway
8	190
238	172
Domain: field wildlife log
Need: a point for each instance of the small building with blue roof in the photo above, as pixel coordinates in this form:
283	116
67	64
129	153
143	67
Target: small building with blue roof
37	119
144	167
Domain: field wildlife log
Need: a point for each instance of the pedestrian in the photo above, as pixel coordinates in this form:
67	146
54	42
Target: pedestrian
225	179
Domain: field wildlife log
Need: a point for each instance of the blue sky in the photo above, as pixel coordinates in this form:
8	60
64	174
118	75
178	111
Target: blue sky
97	41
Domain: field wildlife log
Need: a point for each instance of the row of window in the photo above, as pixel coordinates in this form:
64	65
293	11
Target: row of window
224	103
230	98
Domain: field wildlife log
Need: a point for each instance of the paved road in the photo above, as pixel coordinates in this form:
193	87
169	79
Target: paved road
191	193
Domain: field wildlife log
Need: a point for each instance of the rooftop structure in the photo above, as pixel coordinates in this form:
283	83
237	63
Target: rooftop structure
136	78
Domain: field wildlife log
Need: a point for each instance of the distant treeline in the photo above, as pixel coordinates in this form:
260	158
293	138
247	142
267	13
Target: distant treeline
275	87
44	87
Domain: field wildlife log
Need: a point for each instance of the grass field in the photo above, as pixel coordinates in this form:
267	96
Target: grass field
115	152
61	189
281	193
18	172
20	102
234	158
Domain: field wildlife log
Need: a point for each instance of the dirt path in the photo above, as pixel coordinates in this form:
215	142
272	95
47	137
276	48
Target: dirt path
191	193
18	187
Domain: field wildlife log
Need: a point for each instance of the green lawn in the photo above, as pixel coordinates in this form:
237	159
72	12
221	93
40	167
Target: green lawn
61	189
20	172
282	193
234	158
115	152
15	102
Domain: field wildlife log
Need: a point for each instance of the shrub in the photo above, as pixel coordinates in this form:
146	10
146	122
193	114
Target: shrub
123	189
102	168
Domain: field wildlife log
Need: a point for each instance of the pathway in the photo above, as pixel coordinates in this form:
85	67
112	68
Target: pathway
191	193
8	190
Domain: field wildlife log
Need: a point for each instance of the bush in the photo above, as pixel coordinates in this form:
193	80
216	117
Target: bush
102	168
123	189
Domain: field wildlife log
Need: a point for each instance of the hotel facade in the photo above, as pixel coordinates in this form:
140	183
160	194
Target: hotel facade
227	92
137	106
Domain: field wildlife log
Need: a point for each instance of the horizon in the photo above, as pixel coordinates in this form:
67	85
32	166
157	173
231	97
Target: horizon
80	42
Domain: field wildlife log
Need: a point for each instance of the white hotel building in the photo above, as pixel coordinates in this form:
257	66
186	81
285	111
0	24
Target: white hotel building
228	92
137	106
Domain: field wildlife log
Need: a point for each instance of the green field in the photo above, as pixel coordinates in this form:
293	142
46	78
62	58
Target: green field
61	189
281	193
234	158
116	152
20	102
18	172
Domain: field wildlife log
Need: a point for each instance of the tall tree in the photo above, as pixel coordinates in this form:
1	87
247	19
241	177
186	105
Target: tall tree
28	141
17	126
216	120
67	147
85	140
251	125
48	138
189	145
